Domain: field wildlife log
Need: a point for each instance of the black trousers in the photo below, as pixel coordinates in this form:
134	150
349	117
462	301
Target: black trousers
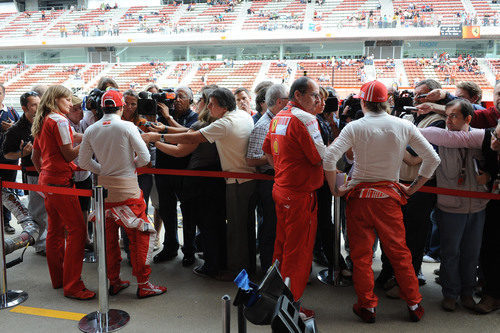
205	202
146	185
169	192
267	229
416	218
490	250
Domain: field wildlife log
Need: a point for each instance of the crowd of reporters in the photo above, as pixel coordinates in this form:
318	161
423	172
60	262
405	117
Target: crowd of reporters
218	217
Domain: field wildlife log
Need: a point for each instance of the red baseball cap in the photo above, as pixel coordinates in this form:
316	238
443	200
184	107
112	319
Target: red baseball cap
373	91
112	98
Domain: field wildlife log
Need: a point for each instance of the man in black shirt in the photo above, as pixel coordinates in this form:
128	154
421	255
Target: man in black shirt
18	144
169	187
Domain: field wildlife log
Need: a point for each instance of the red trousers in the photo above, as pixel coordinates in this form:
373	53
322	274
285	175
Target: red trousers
295	234
380	212
131	215
64	216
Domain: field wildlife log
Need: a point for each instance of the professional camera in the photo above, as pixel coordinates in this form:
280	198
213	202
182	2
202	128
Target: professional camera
93	102
402	99
148	102
331	103
354	112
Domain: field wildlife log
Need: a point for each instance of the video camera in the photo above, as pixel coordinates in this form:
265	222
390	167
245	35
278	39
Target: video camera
402	99
148	102
93	102
331	103
354	112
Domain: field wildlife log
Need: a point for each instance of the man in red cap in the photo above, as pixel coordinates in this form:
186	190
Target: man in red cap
119	150
374	196
295	148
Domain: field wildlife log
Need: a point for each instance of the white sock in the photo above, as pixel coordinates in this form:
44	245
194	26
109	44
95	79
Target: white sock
413	307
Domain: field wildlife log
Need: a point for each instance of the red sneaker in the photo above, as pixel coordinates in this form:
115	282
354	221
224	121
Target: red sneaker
306	314
82	295
366	315
417	314
148	289
117	286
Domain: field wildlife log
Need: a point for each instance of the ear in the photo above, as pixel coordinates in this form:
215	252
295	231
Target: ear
468	119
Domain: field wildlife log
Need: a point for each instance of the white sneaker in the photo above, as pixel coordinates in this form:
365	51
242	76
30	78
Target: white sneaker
430	259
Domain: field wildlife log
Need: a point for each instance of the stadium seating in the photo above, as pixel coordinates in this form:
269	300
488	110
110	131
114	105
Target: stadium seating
284	12
344	76
28	24
241	74
485	8
445	9
338	13
383	71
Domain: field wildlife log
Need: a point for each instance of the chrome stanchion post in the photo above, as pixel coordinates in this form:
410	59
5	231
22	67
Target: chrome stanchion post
91	256
105	319
8	298
332	275
226	314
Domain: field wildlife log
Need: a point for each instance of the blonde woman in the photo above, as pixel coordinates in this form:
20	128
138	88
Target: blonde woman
53	153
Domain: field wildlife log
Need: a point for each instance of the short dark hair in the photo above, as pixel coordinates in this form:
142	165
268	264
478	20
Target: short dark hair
430	84
105	82
260	98
110	109
301	85
225	98
262	85
241	89
465	106
24	97
472	89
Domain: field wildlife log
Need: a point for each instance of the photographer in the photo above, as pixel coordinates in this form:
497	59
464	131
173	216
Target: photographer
114	143
18	143
8	116
169	187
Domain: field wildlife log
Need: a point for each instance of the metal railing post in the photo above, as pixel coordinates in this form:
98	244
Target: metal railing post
226	314
105	319
8	298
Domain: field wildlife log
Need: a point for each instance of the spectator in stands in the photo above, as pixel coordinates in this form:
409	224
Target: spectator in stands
52	156
244	100
8	116
460	220
371	193
294	146
18	143
170	187
230	132
276	99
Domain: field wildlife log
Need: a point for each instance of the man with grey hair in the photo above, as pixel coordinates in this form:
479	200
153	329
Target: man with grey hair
276	99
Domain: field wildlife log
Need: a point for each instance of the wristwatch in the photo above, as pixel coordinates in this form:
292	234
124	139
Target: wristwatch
162	138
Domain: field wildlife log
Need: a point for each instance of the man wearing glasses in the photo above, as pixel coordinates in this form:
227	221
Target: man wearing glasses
294	147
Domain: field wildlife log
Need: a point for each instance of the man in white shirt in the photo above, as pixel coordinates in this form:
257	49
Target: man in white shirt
375	198
230	132
119	150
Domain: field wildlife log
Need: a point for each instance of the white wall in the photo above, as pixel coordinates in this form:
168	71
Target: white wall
123	3
9	7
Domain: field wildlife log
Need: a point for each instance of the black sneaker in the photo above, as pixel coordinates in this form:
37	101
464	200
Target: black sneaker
188	260
164	256
202	271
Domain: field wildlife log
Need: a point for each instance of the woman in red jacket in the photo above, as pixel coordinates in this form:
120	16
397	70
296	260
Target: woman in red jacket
52	156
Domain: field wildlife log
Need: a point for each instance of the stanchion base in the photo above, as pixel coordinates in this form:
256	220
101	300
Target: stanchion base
12	298
89	257
329	279
92	323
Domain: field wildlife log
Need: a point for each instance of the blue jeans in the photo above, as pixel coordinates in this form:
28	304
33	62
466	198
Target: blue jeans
460	237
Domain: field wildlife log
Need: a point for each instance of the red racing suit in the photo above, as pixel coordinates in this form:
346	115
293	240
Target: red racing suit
294	140
130	214
377	206
63	211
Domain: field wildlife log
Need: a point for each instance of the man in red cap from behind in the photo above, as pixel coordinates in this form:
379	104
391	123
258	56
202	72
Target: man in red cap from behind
119	150
374	196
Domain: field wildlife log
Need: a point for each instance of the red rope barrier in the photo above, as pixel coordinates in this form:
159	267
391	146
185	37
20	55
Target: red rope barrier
48	189
224	174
